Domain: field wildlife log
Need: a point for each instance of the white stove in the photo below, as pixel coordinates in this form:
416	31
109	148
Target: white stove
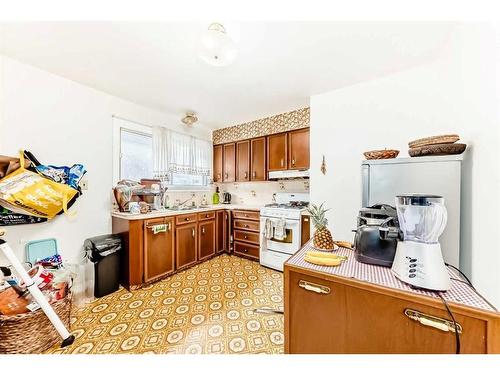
281	230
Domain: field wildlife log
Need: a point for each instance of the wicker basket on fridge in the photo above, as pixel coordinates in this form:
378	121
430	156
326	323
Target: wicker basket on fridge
32	332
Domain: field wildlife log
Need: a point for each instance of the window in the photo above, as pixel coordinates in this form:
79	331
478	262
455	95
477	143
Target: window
136	158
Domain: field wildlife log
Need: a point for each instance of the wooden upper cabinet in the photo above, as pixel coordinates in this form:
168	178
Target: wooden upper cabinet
206	239
298	149
258	159
218	163
158	249
243	161
229	165
277	152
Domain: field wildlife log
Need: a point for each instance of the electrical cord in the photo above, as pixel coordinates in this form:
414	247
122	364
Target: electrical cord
457	334
469	283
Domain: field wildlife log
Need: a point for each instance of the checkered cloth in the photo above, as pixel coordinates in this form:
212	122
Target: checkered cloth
460	292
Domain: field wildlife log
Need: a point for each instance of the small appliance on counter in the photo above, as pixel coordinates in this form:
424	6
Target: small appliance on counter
419	260
226	198
369	247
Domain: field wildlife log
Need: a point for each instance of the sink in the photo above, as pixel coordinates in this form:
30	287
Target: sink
187	208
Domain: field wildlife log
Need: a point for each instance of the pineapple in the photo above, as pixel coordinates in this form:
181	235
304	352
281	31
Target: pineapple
322	238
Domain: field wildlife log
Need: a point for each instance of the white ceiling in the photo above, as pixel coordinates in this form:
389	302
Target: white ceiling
279	66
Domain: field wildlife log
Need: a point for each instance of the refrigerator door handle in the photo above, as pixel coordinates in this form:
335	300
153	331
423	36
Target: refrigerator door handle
365	183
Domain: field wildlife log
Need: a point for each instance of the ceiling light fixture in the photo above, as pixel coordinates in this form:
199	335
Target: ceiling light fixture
189	119
216	47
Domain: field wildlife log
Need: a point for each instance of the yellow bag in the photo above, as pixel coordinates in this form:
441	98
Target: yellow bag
28	193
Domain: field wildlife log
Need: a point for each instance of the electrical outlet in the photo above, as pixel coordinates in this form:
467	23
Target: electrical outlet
84	184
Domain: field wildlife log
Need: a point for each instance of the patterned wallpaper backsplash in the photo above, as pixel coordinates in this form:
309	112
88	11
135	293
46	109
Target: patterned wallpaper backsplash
297	119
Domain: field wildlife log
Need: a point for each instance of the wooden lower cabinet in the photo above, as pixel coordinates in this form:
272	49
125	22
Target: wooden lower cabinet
222	229
331	314
186	244
245	232
159	249
206	239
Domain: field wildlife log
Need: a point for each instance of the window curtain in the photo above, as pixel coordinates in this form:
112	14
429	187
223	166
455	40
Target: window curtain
180	153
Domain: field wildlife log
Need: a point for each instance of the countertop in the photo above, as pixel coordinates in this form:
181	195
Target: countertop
165	212
459	293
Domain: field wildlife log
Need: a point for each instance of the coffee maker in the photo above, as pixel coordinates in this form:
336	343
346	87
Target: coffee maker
418	260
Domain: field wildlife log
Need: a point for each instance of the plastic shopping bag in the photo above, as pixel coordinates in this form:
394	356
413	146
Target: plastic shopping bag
28	193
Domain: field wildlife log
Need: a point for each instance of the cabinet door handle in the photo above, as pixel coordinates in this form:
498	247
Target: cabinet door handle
246	226
218	176
282	162
293	161
254	174
432	321
245	237
202	230
246	175
312	287
192	233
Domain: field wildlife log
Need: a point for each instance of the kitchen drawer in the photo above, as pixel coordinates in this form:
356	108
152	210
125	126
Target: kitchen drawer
184	219
241	248
252	237
247	215
206	215
246	225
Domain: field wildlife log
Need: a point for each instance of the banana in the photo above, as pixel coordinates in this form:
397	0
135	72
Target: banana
323	261
345	244
321	254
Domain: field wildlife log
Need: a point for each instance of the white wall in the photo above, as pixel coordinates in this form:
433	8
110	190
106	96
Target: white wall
458	93
63	122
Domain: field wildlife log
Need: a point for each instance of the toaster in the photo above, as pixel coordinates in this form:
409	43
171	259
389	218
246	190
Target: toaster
369	246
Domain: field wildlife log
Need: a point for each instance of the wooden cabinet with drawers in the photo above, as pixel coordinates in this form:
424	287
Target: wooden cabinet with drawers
331	314
188	239
246	233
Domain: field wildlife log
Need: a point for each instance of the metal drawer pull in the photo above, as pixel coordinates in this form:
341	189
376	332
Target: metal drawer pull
187	219
321	289
432	321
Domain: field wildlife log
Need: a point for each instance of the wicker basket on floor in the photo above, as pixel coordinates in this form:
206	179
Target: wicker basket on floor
32	332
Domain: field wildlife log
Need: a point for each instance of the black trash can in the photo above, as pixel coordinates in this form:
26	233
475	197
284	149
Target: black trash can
104	251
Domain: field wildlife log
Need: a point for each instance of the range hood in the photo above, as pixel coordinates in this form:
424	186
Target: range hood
288	175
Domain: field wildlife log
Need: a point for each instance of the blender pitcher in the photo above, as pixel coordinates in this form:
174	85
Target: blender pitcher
419	260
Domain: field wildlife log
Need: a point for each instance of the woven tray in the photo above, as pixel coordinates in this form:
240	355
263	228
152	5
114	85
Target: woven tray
381	154
438	139
32	333
440	149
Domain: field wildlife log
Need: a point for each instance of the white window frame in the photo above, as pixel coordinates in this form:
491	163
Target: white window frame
120	123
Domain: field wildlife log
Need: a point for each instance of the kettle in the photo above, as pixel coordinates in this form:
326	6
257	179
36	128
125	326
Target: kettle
226	198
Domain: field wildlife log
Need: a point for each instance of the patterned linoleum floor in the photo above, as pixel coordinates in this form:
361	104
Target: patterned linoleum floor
208	308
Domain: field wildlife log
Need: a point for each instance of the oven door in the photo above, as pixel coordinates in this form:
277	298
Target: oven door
288	245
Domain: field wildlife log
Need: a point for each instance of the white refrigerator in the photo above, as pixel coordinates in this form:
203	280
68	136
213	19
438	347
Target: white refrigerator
383	180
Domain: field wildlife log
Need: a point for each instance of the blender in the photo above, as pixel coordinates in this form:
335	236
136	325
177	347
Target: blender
418	260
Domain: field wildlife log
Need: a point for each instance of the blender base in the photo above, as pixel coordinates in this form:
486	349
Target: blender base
421	265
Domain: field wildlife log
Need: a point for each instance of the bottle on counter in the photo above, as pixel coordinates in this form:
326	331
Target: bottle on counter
215	196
